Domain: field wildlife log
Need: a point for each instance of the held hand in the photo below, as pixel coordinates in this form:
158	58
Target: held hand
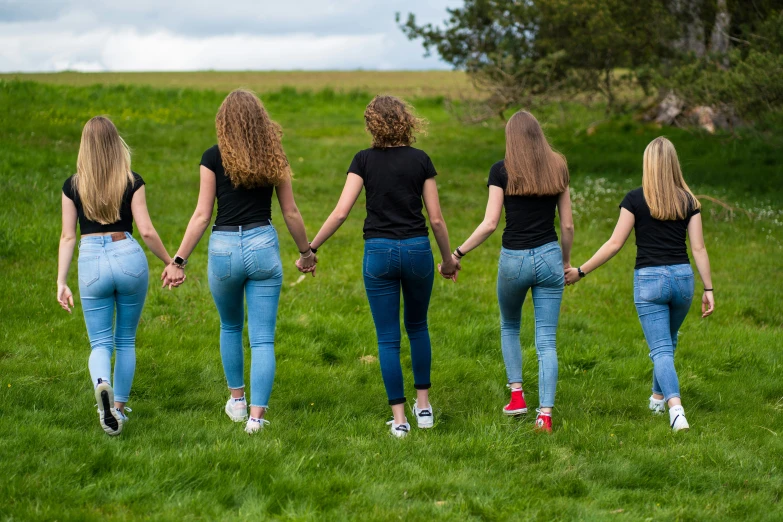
449	268
707	304
571	276
307	264
65	297
566	265
172	276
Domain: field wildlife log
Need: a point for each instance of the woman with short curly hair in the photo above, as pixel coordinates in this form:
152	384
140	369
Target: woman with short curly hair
242	171
397	253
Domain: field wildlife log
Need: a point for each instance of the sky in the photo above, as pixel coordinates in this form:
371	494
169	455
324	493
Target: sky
182	35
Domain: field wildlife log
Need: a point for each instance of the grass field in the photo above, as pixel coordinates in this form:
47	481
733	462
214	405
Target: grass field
327	453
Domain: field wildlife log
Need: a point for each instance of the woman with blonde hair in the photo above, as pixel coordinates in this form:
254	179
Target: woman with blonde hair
242	171
531	183
397	253
106	197
662	212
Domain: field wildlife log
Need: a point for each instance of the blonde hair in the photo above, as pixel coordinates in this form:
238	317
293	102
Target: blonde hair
249	142
103	171
664	188
534	168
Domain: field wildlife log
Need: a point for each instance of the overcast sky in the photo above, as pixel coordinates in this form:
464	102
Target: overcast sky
182	35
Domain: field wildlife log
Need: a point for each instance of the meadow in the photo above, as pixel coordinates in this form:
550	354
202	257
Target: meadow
327	452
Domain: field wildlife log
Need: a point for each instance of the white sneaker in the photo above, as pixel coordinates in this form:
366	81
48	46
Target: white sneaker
424	417
677	419
399	430
657	406
254	425
236	410
111	419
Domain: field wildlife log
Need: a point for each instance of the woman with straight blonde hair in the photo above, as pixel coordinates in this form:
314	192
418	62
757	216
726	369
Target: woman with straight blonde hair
531	183
241	172
662	212
106	197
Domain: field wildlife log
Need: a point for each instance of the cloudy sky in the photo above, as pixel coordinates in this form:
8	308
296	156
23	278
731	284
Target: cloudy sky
186	35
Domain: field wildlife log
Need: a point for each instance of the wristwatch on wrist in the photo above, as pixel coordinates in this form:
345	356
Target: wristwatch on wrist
313	250
179	261
579	271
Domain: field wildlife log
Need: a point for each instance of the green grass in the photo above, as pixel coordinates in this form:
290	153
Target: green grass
327	454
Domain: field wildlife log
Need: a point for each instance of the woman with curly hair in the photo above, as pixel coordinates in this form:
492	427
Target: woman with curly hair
242	171
397	252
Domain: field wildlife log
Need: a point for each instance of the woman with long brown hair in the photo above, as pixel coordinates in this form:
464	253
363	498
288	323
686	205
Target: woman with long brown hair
242	171
397	179
106	197
662	212
531	183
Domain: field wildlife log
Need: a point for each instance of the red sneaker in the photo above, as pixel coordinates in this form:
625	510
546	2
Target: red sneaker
517	406
544	422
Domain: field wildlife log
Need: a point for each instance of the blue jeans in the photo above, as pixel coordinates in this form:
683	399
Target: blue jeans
539	269
389	265
247	264
663	296
112	274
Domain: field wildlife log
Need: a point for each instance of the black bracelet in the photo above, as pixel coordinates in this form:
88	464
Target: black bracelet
306	251
313	250
708	289
579	271
459	252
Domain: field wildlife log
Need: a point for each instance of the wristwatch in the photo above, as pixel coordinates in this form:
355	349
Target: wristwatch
579	271
179	261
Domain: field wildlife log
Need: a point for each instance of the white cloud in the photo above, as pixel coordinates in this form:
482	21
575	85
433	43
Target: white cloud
240	35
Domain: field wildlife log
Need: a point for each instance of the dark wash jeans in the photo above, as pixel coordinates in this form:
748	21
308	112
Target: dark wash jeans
391	265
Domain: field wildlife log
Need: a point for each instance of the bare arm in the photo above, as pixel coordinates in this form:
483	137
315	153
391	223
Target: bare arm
201	216
351	191
699	250
621	232
566	226
438	224
141	217
490	223
65	254
296	227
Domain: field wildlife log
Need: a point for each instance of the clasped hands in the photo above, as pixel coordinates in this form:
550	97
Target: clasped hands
450	268
307	264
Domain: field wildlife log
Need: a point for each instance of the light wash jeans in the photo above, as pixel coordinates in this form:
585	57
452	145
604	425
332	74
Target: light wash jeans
112	274
539	269
663	296
391	265
247	264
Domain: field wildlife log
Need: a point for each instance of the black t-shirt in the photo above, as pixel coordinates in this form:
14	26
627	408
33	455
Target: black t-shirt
237	205
530	220
658	243
393	181
125	224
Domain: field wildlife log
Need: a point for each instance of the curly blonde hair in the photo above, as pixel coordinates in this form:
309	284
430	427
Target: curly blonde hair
391	122
249	142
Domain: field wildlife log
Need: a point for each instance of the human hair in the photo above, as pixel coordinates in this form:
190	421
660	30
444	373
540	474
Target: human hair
534	168
392	122
103	171
664	188
249	142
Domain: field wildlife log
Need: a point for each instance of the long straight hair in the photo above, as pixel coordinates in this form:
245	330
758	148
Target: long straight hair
103	171
534	168
665	190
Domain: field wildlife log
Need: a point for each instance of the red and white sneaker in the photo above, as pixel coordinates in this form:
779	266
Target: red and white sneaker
544	422
517	406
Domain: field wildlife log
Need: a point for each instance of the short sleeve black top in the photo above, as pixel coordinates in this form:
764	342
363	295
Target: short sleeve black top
87	226
237	205
658	243
393	181
530	220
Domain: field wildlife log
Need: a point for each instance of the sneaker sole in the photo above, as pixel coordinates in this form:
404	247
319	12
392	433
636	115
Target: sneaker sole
234	417
425	426
513	413
109	419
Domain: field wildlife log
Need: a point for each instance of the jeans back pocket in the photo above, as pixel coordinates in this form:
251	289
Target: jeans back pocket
650	288
131	261
421	262
685	284
89	269
220	265
264	260
376	263
510	266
